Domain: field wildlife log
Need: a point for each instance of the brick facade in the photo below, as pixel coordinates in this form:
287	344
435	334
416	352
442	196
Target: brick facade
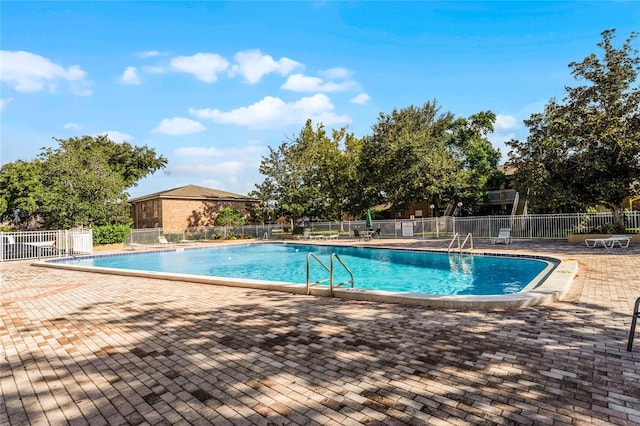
189	206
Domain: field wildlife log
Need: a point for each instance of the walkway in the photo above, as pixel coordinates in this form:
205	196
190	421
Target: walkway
81	348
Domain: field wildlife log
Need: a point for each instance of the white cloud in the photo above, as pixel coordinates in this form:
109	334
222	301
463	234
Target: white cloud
233	168
4	103
153	69
303	83
335	73
130	76
253	65
504	122
72	126
205	66
178	126
199	152
271	112
223	168
28	72
360	99
149	54
116	136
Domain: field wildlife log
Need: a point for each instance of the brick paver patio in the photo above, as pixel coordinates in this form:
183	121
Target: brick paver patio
83	348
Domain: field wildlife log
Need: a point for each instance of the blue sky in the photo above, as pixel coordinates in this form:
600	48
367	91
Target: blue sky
210	85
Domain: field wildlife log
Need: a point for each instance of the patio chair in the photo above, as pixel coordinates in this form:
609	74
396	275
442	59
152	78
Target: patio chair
504	236
609	242
163	240
356	235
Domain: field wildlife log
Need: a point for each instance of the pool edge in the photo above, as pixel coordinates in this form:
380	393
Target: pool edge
552	288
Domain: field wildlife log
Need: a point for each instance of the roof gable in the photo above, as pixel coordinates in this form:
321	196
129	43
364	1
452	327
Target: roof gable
194	192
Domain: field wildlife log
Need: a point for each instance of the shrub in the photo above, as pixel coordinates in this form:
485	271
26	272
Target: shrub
229	216
110	234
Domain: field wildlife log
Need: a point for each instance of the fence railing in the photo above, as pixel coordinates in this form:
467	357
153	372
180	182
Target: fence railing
40	244
555	226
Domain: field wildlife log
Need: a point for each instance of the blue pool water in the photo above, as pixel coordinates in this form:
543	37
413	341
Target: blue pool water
379	269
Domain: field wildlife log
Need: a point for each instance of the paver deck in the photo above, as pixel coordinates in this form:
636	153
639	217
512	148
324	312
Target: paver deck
83	348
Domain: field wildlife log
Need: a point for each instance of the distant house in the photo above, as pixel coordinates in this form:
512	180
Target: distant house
184	207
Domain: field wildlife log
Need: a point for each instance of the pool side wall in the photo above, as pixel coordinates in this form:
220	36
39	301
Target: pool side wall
549	289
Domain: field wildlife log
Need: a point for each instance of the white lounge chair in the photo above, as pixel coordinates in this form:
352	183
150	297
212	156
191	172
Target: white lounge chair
504	236
163	241
609	242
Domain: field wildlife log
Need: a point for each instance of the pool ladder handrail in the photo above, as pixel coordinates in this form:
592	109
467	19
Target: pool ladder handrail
456	237
330	270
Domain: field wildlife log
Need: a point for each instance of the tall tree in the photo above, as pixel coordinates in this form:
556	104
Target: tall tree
82	182
21	190
310	174
477	158
405	158
418	153
586	150
82	189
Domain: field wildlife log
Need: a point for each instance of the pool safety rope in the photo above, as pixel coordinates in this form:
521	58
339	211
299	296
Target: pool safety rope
636	314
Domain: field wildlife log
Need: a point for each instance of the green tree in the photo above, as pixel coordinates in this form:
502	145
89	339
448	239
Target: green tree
282	189
476	157
418	153
82	182
585	150
21	190
310	174
228	216
406	158
82	190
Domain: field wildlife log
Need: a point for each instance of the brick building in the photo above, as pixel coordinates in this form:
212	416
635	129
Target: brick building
184	207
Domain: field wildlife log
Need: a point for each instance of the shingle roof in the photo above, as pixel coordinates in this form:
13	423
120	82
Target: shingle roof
195	192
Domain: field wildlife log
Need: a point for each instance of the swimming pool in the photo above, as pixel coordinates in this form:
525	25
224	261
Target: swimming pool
405	271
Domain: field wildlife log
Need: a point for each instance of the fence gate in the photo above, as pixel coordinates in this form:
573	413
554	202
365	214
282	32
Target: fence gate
42	244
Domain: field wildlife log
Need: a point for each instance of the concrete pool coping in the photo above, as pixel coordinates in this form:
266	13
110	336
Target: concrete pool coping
550	286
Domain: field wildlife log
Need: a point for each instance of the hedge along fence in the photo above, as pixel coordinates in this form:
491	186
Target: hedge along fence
110	234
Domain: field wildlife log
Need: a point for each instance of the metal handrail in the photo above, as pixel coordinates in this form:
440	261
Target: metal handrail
331	283
330	270
636	314
469	237
456	237
314	257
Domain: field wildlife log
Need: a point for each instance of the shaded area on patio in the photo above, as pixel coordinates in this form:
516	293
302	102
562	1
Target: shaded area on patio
89	348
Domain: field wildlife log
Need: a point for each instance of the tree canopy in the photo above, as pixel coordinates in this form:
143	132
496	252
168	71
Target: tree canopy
311	174
414	153
228	216
418	153
81	182
585	151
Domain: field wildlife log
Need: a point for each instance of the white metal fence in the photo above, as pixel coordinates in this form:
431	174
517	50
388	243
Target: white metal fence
40	244
556	226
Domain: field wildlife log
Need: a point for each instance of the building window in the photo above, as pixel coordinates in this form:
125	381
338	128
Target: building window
155	204
144	207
